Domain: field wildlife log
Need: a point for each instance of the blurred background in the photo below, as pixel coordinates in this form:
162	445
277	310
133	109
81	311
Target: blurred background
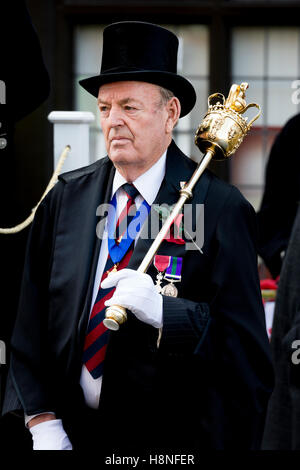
221	42
48	46
58	42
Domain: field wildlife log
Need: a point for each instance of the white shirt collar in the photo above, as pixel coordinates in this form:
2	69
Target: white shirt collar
148	183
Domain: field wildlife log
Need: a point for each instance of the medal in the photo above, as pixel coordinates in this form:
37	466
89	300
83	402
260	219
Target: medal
159	278
170	290
173	274
168	268
161	263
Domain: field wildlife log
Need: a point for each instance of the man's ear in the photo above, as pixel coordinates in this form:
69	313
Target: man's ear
174	110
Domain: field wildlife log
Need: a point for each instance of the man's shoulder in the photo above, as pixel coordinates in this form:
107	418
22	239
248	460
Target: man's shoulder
292	123
226	193
223	186
219	192
74	175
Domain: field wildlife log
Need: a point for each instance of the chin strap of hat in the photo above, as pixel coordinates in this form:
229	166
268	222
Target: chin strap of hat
51	183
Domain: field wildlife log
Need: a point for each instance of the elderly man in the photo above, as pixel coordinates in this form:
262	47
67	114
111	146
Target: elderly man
187	370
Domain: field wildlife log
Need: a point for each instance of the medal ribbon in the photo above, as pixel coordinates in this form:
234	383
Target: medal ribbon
161	262
174	269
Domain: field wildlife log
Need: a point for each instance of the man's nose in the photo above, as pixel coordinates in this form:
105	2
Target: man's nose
116	117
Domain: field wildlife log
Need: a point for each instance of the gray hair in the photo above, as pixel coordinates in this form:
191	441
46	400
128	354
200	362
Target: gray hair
165	94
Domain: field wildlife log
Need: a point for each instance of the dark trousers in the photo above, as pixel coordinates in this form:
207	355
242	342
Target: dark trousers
94	430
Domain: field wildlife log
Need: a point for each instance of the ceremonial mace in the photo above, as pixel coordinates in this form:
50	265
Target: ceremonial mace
218	136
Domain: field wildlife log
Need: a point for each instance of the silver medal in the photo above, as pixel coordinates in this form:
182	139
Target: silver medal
170	290
159	278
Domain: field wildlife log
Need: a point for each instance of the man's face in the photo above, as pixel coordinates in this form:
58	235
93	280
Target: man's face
133	120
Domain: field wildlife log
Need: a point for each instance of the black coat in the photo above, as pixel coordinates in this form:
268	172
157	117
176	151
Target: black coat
281	196
282	431
208	384
27	85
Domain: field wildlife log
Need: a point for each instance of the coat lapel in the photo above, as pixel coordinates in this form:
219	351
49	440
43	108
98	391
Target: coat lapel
77	248
104	198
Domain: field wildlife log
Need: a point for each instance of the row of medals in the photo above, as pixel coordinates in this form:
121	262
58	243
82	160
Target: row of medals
169	289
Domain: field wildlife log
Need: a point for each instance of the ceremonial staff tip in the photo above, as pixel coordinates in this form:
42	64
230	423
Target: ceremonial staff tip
218	136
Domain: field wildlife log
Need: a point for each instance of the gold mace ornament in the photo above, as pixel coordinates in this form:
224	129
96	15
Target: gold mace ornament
218	136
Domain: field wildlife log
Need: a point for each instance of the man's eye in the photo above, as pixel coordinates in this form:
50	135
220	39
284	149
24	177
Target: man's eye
129	108
103	109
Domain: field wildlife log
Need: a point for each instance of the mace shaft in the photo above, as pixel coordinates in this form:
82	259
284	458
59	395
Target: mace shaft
185	194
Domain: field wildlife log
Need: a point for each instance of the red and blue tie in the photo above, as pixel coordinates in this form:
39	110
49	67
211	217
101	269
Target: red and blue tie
97	334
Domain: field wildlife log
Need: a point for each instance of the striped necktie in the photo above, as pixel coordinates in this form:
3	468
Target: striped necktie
97	334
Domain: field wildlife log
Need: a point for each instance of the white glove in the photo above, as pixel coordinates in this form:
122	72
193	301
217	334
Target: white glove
50	435
136	291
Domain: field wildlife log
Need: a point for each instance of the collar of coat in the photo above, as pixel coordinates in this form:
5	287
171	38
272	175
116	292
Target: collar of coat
178	168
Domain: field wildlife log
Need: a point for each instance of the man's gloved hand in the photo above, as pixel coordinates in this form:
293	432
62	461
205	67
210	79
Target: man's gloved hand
50	435
136	292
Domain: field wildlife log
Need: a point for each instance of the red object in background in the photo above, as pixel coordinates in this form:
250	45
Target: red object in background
269	284
268	290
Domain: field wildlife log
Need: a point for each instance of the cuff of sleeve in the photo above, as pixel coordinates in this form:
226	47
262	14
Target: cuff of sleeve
29	417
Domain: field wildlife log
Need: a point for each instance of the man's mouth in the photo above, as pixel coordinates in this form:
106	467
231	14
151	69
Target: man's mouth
119	140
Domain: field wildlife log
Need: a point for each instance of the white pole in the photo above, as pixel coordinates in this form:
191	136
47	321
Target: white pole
72	128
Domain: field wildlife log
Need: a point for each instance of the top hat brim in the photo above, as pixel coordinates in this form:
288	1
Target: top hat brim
179	85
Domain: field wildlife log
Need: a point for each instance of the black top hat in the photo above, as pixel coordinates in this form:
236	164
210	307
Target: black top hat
138	51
